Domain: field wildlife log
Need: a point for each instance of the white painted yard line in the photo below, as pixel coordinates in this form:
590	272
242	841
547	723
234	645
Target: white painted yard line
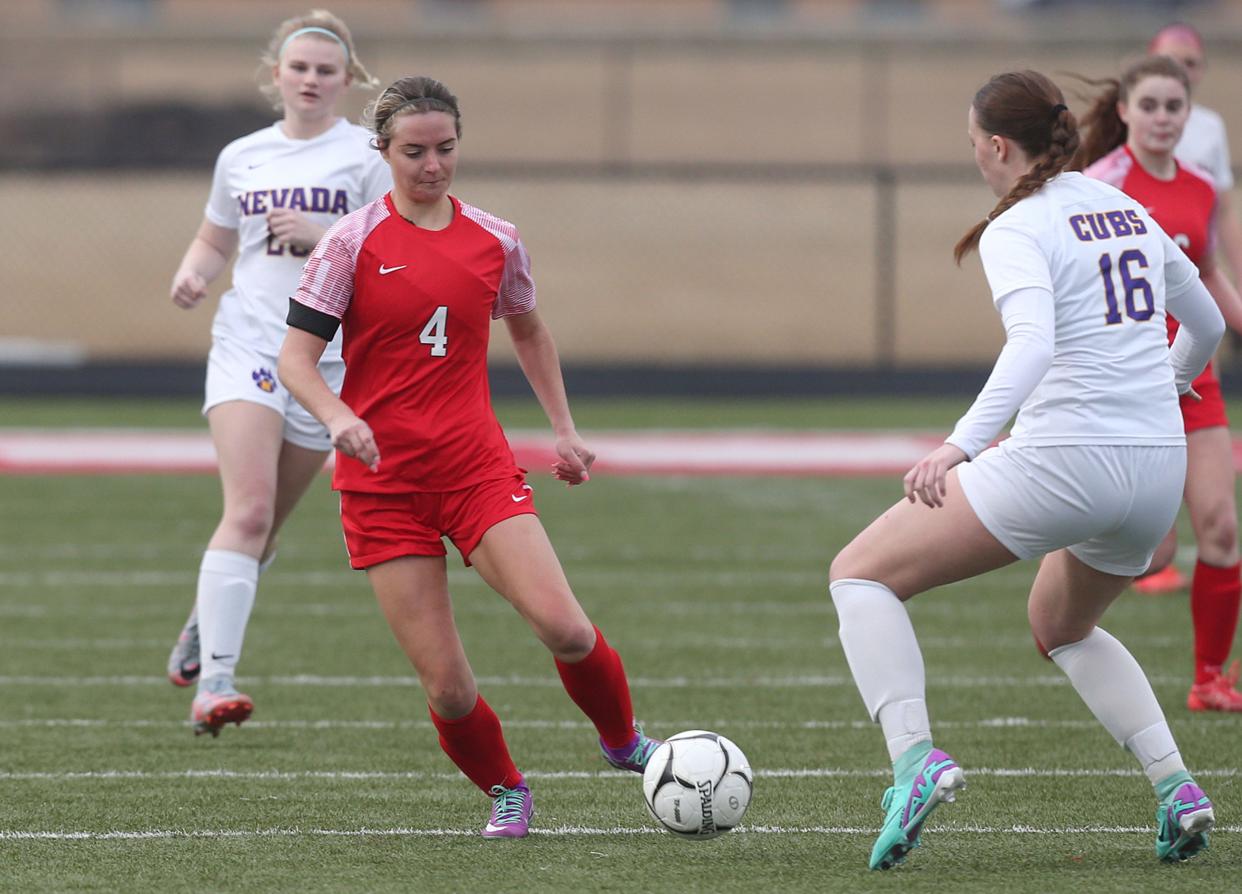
417	775
760	681
683	640
631	577
556	831
718	724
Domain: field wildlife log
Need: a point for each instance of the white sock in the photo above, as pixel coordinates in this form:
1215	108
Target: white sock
1116	690
226	586
883	654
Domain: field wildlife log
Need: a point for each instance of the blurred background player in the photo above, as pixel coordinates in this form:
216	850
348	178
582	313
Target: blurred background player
414	281
1204	145
273	194
1090	479
1129	137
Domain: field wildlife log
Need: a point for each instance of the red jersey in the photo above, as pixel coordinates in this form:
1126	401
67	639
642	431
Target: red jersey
1184	206
416	307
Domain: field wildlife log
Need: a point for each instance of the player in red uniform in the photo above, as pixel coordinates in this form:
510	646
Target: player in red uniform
414	280
1133	128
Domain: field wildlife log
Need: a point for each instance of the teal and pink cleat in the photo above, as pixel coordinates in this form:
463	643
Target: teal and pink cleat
512	809
1183	819
925	778
634	754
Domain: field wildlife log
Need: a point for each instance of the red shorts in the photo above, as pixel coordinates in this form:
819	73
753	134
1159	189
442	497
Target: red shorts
379	527
1206	413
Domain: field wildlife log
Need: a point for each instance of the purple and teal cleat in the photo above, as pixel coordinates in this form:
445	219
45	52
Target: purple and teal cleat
1183	819
512	809
925	778
634	754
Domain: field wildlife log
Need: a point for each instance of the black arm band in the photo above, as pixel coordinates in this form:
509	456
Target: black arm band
316	322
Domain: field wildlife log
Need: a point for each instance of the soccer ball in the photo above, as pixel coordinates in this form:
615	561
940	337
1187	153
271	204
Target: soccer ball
697	784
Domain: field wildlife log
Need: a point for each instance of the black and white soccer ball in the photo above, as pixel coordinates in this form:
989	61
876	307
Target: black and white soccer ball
698	784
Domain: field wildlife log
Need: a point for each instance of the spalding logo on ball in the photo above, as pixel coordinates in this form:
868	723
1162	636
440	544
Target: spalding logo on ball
698	784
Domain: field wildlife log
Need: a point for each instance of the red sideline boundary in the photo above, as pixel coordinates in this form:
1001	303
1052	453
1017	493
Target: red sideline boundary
139	451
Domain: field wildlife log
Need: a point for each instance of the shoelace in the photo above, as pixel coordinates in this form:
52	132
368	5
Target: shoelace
508	804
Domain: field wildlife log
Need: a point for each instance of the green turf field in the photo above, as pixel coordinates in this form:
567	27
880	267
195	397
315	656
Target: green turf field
712	589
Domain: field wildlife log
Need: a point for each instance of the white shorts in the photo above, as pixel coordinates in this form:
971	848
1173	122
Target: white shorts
236	371
1111	505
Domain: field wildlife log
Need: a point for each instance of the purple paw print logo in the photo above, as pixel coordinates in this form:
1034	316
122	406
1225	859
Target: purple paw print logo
264	379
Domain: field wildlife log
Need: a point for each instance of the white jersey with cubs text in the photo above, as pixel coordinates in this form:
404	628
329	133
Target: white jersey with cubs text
1205	144
325	177
1107	265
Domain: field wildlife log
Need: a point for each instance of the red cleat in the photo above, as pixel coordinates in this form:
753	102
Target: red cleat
1166	580
1217	694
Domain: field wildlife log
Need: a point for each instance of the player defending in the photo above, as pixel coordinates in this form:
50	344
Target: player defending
1090	479
273	194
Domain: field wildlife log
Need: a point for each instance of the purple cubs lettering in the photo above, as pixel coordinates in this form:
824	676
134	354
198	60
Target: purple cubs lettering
1099	225
1118	224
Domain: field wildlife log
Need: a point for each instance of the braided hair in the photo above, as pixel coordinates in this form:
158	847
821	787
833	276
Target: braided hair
1026	107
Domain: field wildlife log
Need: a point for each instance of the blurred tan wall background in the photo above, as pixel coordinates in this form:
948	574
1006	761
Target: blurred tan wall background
696	182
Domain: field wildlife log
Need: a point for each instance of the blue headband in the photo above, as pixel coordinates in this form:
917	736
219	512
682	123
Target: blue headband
314	30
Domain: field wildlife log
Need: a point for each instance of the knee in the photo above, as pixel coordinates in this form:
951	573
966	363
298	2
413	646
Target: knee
570	642
1050	632
252	519
1220	531
845	565
451	698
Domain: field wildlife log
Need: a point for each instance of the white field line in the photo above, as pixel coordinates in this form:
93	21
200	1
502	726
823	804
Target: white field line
987	723
556	831
344	578
681	640
596	775
672	682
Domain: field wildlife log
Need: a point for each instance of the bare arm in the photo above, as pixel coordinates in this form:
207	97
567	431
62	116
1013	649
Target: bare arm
1229	232
536	354
1223	293
298	369
205	259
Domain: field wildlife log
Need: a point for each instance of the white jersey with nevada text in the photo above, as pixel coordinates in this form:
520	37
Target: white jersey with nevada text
325	177
1107	265
1205	144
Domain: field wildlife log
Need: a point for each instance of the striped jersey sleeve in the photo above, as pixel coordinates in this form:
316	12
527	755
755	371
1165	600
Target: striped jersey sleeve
327	283
1112	168
517	288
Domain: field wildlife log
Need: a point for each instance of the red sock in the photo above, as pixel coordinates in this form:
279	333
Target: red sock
476	744
1214	597
598	686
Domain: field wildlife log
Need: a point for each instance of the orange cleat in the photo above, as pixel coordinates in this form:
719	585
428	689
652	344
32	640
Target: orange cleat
1217	694
1166	580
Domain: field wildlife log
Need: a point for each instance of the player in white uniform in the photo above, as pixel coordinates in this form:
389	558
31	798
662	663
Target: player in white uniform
273	195
1090	479
1204	144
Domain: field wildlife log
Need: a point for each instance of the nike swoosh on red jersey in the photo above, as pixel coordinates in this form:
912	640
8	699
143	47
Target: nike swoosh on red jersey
384	271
